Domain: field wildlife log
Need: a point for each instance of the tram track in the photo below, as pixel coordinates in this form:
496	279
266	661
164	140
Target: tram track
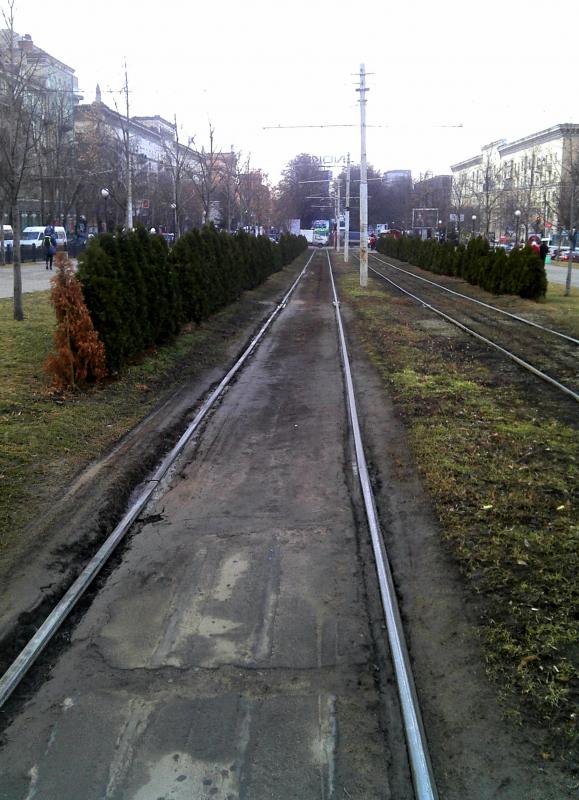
422	774
549	355
420	768
16	672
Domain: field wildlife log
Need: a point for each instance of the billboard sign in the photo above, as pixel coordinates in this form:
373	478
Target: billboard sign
424	217
329	161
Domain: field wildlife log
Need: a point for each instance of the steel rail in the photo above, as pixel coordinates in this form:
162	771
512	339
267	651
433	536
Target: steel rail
474	300
521	362
421	768
17	670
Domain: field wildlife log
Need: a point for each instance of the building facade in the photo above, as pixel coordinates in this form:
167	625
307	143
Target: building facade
536	175
38	96
431	204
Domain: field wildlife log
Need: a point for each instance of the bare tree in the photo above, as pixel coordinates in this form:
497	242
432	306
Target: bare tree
229	187
568	201
100	163
297	194
177	160
488	191
460	195
19	99
57	176
207	174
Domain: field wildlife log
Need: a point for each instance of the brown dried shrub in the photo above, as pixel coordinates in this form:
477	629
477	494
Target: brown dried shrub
80	355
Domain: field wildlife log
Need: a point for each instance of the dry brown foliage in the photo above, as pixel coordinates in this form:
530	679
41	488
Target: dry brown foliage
80	355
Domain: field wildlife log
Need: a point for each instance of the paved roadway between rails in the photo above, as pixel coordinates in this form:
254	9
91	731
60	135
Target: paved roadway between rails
229	654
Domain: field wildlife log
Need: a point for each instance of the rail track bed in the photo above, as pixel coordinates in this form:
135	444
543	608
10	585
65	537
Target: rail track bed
550	355
247	640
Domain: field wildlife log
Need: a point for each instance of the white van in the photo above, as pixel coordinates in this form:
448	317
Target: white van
8	236
34	237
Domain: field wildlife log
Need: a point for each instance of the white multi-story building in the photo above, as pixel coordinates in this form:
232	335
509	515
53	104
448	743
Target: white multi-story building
535	175
49	92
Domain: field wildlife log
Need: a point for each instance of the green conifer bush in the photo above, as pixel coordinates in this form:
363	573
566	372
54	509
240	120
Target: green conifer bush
139	294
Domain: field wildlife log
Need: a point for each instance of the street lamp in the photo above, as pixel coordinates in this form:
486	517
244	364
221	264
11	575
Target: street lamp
473	223
174	207
518	218
105	195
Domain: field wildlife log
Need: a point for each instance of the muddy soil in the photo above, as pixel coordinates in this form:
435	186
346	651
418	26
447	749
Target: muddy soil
476	753
73	520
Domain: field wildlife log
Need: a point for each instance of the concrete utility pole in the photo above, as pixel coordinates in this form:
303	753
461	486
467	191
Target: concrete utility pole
337	216
363	182
129	221
572	235
347	214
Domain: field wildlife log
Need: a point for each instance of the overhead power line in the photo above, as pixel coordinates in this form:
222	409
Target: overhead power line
350	125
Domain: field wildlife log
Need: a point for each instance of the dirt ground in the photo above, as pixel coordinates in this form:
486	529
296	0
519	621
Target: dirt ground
476	753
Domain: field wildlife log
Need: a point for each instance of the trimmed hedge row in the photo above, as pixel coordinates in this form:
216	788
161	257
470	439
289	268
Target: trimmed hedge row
139	293
522	272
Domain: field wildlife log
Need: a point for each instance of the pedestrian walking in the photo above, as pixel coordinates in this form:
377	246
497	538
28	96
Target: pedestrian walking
543	251
49	245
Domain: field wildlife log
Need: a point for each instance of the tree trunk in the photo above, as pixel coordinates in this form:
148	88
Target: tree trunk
15	214
572	241
2	248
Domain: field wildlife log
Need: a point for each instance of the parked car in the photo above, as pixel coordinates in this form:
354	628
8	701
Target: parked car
33	238
506	246
565	256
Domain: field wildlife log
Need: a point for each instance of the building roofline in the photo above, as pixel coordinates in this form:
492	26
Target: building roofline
18	37
555	132
468	162
497	144
118	117
156	118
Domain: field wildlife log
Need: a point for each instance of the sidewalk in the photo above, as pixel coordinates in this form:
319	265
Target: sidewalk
35	278
559	275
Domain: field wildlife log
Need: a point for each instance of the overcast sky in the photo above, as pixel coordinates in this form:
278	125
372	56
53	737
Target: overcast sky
502	69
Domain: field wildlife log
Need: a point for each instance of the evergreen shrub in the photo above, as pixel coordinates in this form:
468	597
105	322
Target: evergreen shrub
522	272
139	293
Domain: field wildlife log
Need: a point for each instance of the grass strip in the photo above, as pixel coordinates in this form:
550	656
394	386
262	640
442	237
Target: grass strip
46	437
504	478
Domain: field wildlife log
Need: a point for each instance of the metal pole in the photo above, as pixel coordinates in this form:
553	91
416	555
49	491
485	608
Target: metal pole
363	182
128	159
338	218
347	214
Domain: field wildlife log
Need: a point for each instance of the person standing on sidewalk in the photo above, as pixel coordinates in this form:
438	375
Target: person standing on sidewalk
49	245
